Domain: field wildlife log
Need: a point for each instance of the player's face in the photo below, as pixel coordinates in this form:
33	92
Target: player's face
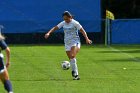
67	19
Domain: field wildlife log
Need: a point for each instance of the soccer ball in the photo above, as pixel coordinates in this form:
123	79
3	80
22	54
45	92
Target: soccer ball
65	65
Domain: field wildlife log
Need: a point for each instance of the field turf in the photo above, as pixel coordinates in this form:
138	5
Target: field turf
37	69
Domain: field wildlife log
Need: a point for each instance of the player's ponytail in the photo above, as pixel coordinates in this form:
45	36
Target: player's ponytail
68	14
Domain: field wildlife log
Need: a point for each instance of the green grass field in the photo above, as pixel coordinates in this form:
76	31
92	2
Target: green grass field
37	69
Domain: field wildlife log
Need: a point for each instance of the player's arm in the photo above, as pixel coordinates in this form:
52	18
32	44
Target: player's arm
54	29
88	41
7	50
51	31
80	28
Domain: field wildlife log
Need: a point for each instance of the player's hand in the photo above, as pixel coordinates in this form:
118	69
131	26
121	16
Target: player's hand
88	41
47	35
7	64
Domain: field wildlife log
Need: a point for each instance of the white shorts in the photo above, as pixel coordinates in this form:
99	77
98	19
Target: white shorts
2	70
69	46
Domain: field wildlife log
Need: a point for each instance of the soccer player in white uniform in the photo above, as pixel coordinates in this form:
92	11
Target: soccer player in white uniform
71	39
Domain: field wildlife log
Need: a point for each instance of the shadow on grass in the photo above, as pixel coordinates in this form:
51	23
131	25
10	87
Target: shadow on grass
42	80
124	51
31	45
136	59
125	46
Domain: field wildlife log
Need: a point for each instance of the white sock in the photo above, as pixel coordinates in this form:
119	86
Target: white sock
73	63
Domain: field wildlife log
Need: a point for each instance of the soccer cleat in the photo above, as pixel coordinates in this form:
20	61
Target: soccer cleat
76	77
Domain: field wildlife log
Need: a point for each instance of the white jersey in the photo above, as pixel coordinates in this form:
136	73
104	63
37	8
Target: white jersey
70	31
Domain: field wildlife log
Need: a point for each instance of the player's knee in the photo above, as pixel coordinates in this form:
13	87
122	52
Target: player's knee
4	79
5	75
7	78
72	56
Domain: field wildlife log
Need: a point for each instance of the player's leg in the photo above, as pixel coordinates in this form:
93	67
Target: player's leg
68	54
73	61
68	50
72	56
72	51
5	80
5	77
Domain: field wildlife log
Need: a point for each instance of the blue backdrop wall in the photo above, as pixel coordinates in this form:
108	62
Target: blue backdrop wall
27	16
126	31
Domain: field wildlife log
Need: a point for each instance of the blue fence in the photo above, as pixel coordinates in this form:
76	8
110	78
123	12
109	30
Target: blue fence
27	16
126	31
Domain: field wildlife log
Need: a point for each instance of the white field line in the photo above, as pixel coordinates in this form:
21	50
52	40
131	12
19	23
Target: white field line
126	54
